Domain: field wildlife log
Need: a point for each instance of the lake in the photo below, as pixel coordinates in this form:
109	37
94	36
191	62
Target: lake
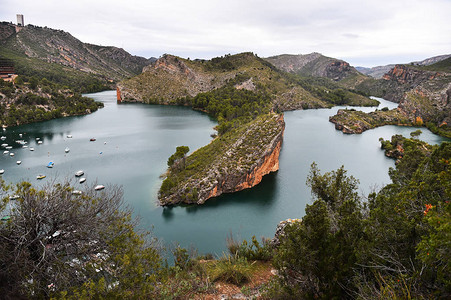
134	141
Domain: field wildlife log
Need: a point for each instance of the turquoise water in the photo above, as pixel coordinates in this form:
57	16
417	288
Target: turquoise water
133	142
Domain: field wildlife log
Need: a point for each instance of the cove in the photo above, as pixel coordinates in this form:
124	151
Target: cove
134	141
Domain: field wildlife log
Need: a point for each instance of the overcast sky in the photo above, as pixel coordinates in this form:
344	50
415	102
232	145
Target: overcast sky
362	32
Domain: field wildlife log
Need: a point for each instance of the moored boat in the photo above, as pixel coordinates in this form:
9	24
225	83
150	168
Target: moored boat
31	149
2	171
79	173
99	187
19	162
40	176
50	164
67	150
83	179
92	139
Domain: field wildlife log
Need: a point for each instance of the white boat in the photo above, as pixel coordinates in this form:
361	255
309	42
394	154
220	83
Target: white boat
19	162
3	138
5	152
67	150
20	135
24	146
9	147
39	142
13	197
83	179
2	171
31	149
76	192
4	145
99	187
37	139
79	173
11	154
69	136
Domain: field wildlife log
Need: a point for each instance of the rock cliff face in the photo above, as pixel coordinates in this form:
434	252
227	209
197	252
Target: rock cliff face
424	96
233	162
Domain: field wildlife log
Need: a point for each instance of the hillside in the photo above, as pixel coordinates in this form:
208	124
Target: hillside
172	78
35	101
61	58
318	65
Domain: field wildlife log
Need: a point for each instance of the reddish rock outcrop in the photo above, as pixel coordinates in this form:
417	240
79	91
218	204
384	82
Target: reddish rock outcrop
237	166
118	94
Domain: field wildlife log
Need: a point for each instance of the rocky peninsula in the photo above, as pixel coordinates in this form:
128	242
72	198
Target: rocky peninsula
232	162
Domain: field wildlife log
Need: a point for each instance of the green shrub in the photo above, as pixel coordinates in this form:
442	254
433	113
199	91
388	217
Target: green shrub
231	269
252	251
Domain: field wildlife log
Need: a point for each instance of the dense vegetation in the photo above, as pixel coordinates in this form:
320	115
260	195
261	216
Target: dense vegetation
79	81
230	106
33	100
331	92
395	245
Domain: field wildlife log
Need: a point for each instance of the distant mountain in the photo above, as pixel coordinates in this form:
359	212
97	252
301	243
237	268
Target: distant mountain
379	71
431	60
60	57
318	65
376	72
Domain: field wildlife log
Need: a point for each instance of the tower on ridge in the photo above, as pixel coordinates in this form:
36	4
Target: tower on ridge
20	21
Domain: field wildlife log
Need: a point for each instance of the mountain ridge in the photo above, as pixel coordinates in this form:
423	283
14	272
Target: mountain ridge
45	52
318	65
379	71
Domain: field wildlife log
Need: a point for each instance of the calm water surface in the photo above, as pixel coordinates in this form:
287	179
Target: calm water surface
134	141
